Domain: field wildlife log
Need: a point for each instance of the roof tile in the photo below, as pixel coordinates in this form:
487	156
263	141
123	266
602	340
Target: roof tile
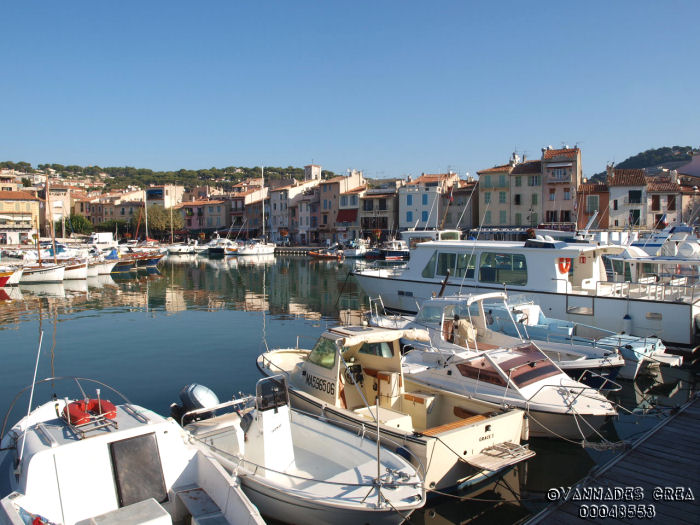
622	177
568	153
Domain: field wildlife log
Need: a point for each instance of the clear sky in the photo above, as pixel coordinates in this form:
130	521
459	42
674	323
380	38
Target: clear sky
389	87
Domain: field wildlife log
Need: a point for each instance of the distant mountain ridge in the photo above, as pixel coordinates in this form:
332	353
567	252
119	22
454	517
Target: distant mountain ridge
651	158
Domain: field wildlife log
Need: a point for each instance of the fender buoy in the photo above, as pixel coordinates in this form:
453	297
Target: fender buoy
79	412
564	264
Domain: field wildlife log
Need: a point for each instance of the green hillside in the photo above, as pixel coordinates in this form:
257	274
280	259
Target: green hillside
651	158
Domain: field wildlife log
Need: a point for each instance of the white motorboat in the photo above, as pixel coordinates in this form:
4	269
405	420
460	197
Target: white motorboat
256	247
105	267
575	282
351	366
485	322
76	270
356	248
301	469
90	461
522	377
183	248
43	273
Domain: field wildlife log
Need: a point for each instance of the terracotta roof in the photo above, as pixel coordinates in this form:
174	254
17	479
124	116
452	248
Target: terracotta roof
531	166
431	177
17	196
375	195
662	184
359	189
593	187
627	178
505	168
569	153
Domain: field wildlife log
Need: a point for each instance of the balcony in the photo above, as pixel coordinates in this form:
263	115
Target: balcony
555	179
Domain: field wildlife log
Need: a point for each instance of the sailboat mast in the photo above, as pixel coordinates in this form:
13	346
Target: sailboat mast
263	201
48	209
145	207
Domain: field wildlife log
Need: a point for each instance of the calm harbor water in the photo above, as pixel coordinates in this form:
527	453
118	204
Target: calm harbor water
205	321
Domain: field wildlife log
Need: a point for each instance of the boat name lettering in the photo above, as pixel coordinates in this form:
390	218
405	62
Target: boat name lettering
487	436
320	384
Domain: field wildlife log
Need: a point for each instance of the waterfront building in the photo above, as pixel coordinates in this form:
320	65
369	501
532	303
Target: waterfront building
628	197
116	205
494	194
283	204
19	216
561	177
238	202
663	200
205	216
347	223
420	202
462	206
166	195
331	189
593	197
305	223
379	211
60	197
526	192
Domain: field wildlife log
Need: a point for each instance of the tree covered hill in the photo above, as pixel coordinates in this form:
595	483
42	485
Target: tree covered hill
651	158
121	177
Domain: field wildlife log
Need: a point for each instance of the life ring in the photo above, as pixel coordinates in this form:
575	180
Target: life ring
79	412
564	264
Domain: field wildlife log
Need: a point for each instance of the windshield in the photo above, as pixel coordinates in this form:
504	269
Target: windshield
323	353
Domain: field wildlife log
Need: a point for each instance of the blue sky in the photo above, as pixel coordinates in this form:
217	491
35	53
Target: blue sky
389	87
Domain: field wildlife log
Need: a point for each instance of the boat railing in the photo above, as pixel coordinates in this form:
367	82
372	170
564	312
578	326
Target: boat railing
233	403
676	289
576	391
587	375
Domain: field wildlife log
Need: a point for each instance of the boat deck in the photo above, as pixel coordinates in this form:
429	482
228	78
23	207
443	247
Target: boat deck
663	463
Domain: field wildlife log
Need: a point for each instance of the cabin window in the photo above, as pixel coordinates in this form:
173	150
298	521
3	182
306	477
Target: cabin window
466	263
382	349
482	370
503	268
323	353
446	261
429	270
429	314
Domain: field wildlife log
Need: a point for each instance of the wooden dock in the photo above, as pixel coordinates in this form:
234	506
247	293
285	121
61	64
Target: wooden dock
664	463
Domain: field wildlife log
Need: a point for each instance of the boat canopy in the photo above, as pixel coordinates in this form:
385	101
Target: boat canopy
375	335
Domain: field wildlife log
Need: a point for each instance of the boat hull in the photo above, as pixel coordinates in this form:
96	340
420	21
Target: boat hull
43	274
76	271
286	508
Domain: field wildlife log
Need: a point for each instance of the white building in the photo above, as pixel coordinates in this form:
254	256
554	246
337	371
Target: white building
420	204
628	198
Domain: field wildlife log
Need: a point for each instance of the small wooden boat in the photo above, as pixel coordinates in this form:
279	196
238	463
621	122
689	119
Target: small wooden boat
326	254
76	270
43	273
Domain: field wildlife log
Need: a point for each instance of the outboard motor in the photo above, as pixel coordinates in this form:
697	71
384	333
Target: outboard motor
194	397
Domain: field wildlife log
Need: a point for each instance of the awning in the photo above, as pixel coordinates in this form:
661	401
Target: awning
347	216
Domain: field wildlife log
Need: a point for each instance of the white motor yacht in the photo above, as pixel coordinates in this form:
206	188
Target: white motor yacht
453	440
577	282
256	247
87	460
301	469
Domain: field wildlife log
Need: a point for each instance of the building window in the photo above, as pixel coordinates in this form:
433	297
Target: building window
635	196
368	204
353	200
533	219
409	200
425	199
516	199
518	180
534	198
487	218
487	197
552	193
409	216
325	219
424	216
592	204
518	219
671	203
502	216
655	202
382	204
567	194
344	200
502	197
501	181
533	180
615	208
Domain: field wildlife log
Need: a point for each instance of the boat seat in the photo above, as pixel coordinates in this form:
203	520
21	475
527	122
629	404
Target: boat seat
201	507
